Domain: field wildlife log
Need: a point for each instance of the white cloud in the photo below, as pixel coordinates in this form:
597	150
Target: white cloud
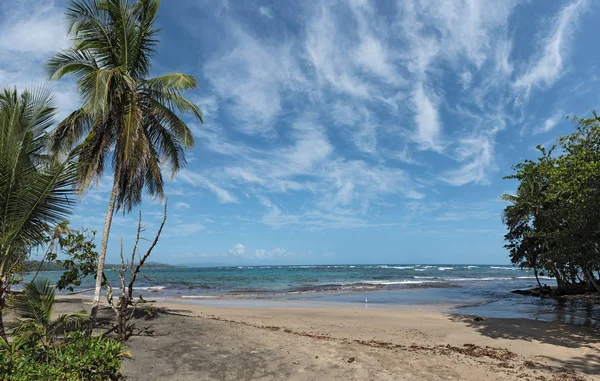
238	250
182	205
428	121
32	28
183	229
549	67
251	78
276	253
30	32
266	12
477	154
549	123
327	53
198	180
358	120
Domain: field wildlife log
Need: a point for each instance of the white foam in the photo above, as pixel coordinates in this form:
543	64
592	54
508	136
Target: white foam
476	279
539	277
471	267
420	269
150	288
390	282
445	268
197	296
504	268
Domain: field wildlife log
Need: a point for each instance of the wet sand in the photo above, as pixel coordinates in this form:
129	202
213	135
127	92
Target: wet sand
194	342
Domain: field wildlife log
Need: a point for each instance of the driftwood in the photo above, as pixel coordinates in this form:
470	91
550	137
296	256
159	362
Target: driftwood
133	268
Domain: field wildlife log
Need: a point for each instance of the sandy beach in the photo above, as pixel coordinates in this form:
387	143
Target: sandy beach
193	342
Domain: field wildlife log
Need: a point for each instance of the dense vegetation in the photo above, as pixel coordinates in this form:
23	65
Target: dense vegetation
49	347
77	357
554	217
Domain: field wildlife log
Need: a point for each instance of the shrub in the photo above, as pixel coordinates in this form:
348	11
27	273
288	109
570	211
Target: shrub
78	357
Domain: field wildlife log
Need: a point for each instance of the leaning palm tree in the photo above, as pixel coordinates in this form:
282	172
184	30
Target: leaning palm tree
55	241
125	117
35	314
36	189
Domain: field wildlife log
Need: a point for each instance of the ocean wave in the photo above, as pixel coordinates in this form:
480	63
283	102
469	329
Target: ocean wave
470	267
504	268
445	268
393	282
198	296
420	269
424	277
532	277
150	288
477	279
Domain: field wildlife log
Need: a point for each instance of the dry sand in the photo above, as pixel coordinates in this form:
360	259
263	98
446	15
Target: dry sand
193	342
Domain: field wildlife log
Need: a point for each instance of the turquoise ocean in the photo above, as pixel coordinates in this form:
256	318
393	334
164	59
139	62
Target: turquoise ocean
483	290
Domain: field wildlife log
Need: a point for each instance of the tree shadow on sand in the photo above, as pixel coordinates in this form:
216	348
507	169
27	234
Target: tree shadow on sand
587	364
555	333
560	334
141	322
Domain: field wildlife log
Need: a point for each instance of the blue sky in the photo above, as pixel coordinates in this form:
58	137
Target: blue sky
344	131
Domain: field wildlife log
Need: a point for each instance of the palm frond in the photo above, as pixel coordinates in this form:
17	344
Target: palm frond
35	188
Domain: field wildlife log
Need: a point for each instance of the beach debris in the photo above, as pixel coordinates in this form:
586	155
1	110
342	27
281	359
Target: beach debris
478	318
351	360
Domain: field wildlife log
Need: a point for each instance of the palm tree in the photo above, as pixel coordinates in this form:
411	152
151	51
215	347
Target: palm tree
35	309
35	189
55	241
124	115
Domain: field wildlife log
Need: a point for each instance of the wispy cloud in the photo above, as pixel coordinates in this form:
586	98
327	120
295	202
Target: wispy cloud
550	64
549	123
427	120
182	205
266	12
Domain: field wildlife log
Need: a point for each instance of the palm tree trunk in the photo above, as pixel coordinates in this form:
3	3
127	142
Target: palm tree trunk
42	262
2	330
102	255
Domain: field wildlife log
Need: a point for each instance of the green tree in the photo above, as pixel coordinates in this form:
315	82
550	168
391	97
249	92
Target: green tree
554	218
35	309
36	189
126	117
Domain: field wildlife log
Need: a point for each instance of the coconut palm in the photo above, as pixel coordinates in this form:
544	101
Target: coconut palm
35	309
55	241
35	189
125	117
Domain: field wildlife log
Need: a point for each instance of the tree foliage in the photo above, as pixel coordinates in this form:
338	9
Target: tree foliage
36	189
34	308
553	220
127	118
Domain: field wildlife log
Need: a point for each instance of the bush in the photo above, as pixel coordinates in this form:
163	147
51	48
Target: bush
78	357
